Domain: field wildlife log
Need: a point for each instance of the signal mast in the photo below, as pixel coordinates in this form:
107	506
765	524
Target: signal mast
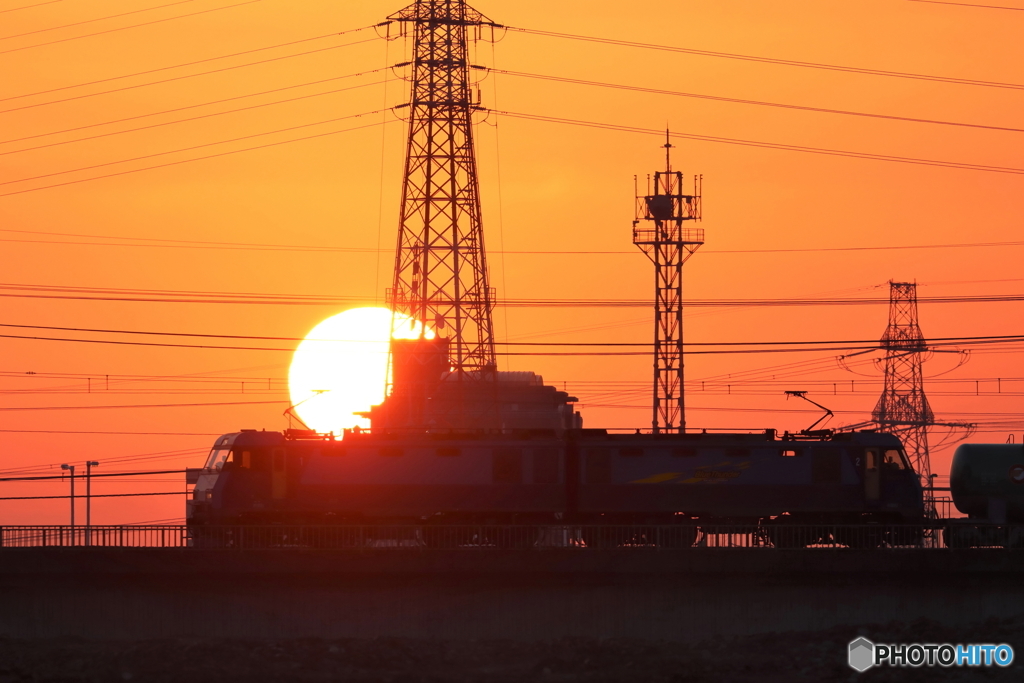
658	231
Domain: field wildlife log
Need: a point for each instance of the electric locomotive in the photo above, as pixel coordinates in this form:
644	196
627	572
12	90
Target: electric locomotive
537	477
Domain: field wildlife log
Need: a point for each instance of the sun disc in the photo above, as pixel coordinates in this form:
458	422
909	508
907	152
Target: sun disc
340	368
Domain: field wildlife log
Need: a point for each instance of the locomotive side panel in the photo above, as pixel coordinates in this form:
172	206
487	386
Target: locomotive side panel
717	479
408	479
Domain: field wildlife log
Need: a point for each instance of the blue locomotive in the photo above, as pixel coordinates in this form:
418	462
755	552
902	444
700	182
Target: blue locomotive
546	476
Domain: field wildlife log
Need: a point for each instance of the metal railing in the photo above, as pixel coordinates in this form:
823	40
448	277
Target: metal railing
942	534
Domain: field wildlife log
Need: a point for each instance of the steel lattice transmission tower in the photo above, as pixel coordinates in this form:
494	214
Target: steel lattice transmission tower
658	231
903	408
441	276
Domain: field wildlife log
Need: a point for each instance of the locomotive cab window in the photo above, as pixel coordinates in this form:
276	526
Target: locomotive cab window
789	453
218	457
871	460
893	459
258	459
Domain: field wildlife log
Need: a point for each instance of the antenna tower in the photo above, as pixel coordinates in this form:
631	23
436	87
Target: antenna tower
440	269
658	231
903	408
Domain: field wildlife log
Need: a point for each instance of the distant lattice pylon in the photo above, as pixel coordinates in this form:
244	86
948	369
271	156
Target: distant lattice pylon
441	278
659	231
903	407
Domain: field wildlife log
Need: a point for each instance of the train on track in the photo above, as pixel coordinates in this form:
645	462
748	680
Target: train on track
535	477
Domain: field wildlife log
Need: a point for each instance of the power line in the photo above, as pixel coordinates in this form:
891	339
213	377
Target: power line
176	78
180	296
734	100
188	149
38	4
771	60
965	4
94	476
64	431
191	118
768	145
154	405
193	63
934	341
99	495
208	156
504	353
159	242
180	453
125	28
192	106
92	21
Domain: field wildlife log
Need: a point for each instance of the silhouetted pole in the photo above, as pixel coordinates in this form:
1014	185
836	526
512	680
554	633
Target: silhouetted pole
71	468
89	464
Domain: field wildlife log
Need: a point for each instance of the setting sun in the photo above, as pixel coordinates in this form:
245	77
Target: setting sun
340	368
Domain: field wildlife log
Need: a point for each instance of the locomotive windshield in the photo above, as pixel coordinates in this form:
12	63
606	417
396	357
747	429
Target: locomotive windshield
218	456
895	459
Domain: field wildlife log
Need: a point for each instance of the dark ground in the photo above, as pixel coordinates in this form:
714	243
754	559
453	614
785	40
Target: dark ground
789	657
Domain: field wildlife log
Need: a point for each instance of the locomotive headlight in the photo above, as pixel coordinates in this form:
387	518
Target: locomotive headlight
340	368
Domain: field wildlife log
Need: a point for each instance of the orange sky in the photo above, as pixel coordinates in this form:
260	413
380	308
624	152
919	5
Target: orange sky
561	188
